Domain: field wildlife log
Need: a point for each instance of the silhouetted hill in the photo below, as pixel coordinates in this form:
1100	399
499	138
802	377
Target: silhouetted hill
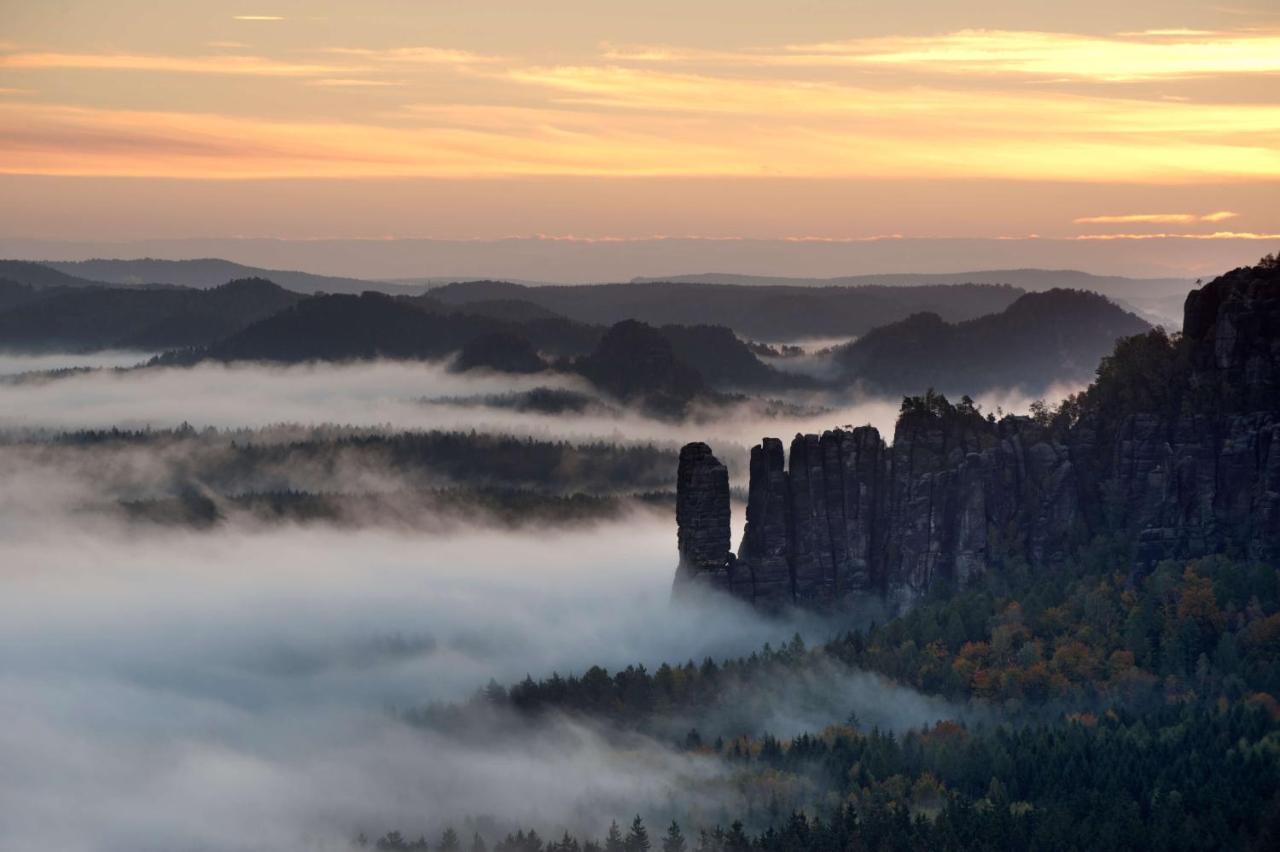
1027	279
627	360
1042	338
636	362
1159	300
343	327
86	318
42	276
205	273
724	360
516	310
762	313
502	351
14	293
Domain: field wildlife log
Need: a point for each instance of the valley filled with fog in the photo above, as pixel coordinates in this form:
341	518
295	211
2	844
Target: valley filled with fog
415	396
489	564
639	427
169	684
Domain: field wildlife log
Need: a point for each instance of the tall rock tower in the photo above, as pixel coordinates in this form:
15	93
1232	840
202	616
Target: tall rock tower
1174	452
702	519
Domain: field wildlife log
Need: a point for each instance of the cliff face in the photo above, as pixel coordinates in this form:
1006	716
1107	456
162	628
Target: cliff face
1174	451
702	518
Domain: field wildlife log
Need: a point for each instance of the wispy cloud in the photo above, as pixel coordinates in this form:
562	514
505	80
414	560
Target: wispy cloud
663	131
255	66
1151	54
1217	235
1157	54
642	113
257	17
416	55
1156	218
354	83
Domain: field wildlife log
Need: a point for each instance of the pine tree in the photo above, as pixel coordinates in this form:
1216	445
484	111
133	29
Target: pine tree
637	837
736	840
674	841
449	841
613	840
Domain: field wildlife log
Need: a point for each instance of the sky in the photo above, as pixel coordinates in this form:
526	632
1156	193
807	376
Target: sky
484	119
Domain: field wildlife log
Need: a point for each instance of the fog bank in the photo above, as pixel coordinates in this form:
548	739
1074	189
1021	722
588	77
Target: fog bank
231	689
13	364
413	395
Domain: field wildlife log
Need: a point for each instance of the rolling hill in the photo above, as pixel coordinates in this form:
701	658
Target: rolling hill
1042	338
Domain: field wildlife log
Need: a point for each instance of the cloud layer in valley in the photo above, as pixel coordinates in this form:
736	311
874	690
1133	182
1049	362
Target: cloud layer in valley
406	395
232	689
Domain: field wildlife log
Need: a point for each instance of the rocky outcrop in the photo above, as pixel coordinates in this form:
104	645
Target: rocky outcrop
702	518
1173	452
765	573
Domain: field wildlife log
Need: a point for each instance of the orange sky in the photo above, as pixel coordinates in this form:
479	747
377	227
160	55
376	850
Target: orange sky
837	119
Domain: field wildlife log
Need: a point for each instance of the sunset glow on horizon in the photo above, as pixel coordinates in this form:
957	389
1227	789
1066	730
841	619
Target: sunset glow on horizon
1178	98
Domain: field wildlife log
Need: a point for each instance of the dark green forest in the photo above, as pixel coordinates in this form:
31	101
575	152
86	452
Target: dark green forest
1109	715
1097	702
202	477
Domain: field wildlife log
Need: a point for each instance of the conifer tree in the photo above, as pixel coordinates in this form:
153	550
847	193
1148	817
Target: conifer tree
638	836
674	841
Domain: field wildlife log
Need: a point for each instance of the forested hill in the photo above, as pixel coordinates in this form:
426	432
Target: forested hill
39	276
98	317
633	361
1054	336
762	313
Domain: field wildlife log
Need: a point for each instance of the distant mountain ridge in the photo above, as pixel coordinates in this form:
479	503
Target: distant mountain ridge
770	313
86	318
1027	279
1159	300
912	338
42	276
575	260
667	365
203	273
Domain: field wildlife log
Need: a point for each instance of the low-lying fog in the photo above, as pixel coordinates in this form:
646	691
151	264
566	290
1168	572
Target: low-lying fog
408	395
13	364
232	690
165	688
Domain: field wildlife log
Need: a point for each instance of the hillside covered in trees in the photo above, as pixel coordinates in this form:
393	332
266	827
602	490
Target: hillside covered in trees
1034	340
1121	695
1057	333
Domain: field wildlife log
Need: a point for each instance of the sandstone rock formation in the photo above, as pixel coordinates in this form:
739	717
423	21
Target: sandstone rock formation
702	518
1173	452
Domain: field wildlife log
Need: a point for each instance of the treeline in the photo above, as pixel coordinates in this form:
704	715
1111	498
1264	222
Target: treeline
1186	777
1112	713
1194	629
420	509
1197	631
240	461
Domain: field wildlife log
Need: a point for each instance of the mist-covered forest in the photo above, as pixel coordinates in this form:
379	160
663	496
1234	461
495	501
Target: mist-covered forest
663	426
372	572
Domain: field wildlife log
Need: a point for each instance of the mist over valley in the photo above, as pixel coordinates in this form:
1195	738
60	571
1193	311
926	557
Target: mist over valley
639	427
